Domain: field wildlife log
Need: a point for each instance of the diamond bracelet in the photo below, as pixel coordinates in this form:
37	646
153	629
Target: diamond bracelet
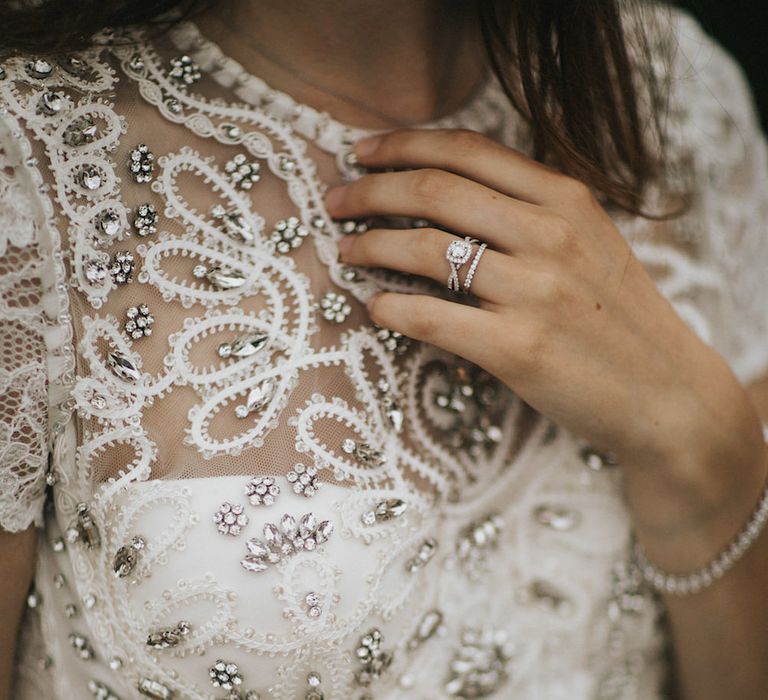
689	584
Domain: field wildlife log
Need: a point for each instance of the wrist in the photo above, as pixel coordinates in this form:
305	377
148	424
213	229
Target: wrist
701	478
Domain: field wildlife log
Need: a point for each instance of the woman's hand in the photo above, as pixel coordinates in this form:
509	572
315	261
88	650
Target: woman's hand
568	318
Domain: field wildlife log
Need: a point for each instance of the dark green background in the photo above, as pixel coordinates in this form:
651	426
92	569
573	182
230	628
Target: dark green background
742	28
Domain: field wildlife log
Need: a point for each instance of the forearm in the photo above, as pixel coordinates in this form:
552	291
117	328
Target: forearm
687	511
17	554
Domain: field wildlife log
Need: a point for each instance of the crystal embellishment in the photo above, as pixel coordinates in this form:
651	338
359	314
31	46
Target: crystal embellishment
389	405
262	491
141	163
384	511
598	461
123	367
121	267
244	346
230	519
423	556
82	646
311	605
84	528
428	626
364	452
475	543
243	174
108	224
480	665
139	321
258	398
225	675
154	690
167	637
374	660
80	132
288	234
89	177
394	341
101	691
556	517
544	592
145	221
96	271
127	557
220	277
39	68
233	224
184	70
285	540
51	103
334	307
303	480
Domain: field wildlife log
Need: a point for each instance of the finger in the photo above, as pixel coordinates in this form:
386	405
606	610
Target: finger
448	200
456	328
474	156
422	252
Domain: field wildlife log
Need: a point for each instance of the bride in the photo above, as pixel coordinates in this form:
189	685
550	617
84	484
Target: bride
404	350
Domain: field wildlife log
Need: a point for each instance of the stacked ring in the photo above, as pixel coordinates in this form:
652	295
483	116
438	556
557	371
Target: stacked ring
457	254
473	267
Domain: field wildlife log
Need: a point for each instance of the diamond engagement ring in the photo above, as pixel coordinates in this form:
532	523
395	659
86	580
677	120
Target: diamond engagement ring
457	254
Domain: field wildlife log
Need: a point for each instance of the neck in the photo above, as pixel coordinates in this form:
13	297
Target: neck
369	63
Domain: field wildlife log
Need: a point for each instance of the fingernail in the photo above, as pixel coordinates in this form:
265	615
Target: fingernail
334	197
344	245
364	147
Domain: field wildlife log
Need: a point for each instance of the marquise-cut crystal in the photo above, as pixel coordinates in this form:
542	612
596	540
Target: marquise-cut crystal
123	367
154	690
257	399
285	540
234	224
244	346
219	276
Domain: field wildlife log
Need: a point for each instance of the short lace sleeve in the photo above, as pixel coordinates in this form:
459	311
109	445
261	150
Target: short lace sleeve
23	392
715	127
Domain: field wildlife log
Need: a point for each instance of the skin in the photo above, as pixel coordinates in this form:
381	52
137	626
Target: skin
687	506
572	322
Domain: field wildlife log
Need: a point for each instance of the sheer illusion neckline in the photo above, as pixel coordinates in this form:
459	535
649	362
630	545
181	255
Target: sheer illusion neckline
483	111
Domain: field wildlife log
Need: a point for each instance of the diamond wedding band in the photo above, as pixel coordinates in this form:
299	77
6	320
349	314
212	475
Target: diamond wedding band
473	267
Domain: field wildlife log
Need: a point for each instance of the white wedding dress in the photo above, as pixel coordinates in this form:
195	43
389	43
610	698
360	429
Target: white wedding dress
268	497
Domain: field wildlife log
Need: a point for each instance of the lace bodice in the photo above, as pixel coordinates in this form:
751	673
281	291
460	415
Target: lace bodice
253	492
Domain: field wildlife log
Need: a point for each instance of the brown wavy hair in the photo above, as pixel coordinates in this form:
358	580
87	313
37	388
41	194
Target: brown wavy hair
566	65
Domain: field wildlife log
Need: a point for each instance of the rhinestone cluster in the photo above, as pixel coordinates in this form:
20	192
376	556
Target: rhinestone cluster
372	657
288	234
139	321
184	70
145	221
335	307
286	540
475	541
262	491
225	675
304	480
141	163
480	665
230	519
364	452
243	174
167	637
121	267
394	341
